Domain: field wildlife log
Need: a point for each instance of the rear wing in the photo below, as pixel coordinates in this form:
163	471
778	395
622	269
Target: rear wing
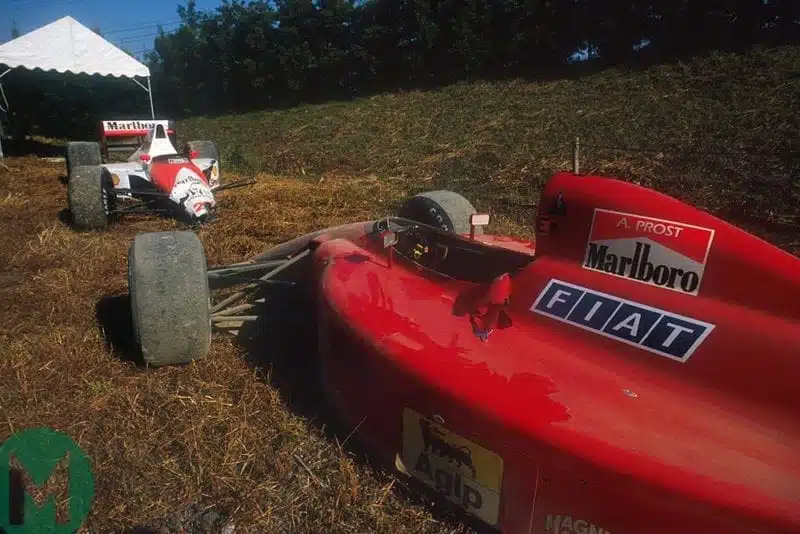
128	135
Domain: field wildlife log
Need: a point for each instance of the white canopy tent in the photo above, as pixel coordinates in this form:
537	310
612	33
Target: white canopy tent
66	45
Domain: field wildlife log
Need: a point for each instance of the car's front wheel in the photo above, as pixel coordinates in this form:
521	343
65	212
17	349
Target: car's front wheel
81	154
170	297
90	195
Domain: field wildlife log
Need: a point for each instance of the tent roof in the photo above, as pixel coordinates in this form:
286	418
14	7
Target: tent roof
66	45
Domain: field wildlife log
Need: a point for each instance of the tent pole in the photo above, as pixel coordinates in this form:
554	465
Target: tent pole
5	101
150	94
2	128
3	94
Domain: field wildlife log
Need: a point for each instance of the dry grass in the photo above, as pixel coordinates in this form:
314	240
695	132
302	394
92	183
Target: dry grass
176	448
218	441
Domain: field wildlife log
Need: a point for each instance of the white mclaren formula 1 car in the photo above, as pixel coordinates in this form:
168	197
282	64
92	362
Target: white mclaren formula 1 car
155	178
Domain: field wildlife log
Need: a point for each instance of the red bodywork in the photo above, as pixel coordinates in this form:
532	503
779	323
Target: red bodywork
594	433
165	170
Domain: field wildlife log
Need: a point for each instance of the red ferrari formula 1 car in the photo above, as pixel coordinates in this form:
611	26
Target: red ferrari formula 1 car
633	370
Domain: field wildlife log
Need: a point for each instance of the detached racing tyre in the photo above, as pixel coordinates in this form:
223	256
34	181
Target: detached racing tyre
80	154
204	149
170	297
442	209
90	195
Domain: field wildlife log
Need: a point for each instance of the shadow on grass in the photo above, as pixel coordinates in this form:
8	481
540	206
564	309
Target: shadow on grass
193	518
283	346
113	316
65	216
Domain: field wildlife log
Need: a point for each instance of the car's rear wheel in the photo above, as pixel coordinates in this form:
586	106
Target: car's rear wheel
204	149
81	154
442	209
90	195
170	297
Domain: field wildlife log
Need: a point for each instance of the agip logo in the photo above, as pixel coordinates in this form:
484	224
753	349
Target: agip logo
462	471
656	252
39	454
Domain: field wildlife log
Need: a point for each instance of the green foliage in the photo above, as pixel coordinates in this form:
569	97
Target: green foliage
259	54
251	55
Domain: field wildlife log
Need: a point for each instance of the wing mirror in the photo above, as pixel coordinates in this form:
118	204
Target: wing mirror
193	154
389	240
475	220
144	158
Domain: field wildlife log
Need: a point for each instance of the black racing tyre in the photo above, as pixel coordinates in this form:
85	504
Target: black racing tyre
442	209
90	197
82	153
170	297
204	149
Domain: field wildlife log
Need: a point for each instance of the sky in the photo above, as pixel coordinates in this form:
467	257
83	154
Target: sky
130	24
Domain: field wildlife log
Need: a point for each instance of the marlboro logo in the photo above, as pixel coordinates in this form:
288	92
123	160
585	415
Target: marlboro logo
114	130
657	252
115	126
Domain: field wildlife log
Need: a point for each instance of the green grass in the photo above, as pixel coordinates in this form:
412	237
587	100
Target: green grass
720	131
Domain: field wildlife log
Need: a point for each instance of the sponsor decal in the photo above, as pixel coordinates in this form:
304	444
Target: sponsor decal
114	126
185	176
462	471
656	252
188	189
115	180
558	524
214	181
660	332
177	161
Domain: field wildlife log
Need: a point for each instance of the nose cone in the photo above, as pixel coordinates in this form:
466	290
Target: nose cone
201	211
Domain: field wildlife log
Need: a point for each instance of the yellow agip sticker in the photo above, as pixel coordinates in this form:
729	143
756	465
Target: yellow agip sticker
464	472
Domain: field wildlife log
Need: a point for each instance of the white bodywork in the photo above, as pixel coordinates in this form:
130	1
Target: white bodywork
189	191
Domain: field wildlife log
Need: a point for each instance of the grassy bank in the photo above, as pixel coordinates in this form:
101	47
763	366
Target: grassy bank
720	131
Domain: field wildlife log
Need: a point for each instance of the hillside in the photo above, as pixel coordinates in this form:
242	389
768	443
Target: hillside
720	131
